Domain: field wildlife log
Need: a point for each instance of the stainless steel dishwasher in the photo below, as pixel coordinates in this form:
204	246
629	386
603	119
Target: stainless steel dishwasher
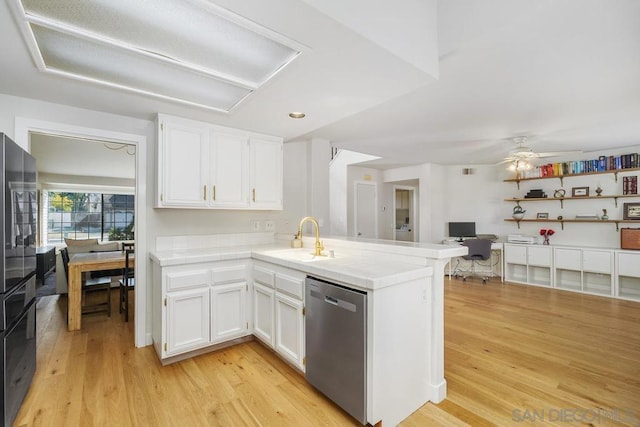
336	344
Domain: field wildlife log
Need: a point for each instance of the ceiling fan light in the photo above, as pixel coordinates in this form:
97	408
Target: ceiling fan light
520	165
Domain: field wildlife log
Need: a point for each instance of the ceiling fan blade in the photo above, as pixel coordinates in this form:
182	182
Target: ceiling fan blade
558	153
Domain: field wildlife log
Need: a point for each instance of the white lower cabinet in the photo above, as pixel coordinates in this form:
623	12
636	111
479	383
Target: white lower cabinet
530	264
290	328
202	304
263	313
628	275
278	310
598	271
228	311
197	305
584	270
187	320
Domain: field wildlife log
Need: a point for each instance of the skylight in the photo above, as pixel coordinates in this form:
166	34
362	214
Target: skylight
189	51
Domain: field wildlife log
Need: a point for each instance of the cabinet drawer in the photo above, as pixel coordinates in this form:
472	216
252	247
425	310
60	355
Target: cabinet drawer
596	261
540	256
229	274
290	285
188	279
629	265
568	259
515	254
264	276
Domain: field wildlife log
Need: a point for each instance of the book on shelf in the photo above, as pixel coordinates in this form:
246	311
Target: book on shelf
601	164
629	185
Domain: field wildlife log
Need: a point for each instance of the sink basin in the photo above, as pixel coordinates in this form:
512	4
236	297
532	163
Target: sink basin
298	254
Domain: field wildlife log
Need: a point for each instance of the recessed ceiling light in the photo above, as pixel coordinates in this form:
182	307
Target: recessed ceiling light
297	115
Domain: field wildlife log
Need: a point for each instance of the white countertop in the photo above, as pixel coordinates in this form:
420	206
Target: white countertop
361	268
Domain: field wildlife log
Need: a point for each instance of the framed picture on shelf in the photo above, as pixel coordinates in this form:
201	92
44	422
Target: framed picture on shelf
580	192
631	211
542	215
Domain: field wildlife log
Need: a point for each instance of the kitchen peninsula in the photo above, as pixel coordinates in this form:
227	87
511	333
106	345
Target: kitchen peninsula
213	291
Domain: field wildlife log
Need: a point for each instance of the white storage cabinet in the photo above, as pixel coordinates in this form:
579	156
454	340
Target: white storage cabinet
205	166
529	264
628	275
584	270
198	305
278	310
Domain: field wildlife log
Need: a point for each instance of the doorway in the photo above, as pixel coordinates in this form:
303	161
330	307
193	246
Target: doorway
25	126
404	213
366	211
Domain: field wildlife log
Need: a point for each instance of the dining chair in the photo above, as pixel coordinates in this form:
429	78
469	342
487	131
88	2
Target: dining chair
88	285
127	283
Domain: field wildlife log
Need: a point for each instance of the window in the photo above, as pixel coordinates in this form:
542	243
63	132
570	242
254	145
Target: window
88	215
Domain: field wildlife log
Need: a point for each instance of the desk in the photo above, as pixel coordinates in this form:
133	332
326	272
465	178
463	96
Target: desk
496	250
79	263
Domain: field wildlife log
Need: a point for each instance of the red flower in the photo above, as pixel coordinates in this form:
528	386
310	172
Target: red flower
546	232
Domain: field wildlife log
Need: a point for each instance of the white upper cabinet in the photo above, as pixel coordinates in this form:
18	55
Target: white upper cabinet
183	167
206	166
266	173
229	170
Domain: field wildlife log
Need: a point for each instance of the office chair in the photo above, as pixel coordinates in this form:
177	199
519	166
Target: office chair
479	250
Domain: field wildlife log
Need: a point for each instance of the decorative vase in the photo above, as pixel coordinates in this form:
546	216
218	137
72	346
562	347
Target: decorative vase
546	240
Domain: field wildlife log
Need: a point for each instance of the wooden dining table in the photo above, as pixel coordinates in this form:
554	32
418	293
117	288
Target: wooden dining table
90	261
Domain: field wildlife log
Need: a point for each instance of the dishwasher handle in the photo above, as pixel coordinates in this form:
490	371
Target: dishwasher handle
330	300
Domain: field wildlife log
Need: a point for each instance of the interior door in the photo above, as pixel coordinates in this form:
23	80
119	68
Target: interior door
366	212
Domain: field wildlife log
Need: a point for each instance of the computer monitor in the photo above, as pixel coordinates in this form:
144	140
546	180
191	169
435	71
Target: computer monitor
462	229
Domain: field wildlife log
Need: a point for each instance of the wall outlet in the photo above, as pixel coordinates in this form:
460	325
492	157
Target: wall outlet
269	225
255	225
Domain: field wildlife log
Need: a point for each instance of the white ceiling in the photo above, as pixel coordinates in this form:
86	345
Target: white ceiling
65	156
565	73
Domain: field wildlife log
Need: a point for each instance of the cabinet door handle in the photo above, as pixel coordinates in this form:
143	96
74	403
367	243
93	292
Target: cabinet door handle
214	192
254	195
204	193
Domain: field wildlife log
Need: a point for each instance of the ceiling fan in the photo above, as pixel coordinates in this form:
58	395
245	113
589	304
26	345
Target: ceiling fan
522	157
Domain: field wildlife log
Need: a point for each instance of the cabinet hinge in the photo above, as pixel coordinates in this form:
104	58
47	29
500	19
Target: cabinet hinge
161	126
304	360
165	346
165	302
247	325
304	310
161	197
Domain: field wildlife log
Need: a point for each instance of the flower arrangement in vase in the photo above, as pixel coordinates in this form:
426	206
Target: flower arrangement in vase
546	232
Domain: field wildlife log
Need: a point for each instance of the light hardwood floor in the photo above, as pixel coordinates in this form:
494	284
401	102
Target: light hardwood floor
514	355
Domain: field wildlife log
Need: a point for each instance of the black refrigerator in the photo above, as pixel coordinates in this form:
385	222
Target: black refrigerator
18	218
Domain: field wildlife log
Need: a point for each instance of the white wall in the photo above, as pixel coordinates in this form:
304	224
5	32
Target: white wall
477	197
373	176
318	159
338	198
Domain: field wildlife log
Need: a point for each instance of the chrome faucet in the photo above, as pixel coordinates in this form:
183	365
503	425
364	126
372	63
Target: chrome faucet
319	246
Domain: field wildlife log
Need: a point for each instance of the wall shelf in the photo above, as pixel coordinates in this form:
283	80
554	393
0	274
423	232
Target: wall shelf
615	197
561	177
562	221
